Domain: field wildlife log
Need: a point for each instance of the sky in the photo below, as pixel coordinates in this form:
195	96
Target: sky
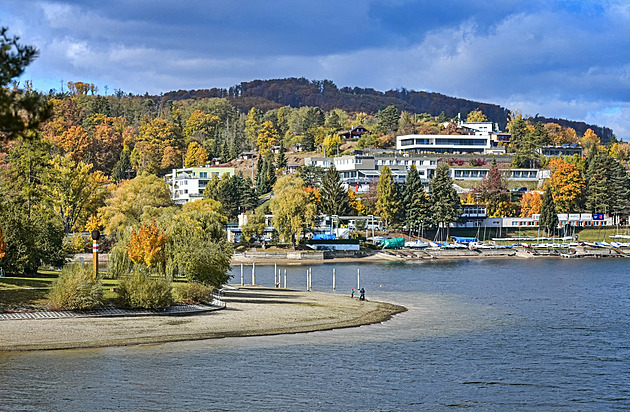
557	58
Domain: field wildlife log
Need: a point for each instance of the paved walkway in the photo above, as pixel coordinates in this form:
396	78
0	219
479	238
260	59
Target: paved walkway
175	310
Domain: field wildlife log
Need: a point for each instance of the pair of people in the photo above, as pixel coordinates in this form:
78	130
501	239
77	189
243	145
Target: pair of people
361	296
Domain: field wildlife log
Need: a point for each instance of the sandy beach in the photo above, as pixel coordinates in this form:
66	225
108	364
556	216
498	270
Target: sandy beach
250	311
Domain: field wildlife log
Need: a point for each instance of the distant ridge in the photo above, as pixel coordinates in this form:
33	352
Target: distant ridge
297	92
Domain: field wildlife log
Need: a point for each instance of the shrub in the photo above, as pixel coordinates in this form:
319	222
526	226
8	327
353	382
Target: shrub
139	290
193	292
76	289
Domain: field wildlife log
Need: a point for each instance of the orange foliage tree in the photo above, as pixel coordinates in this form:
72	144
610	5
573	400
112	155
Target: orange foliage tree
530	204
148	245
567	186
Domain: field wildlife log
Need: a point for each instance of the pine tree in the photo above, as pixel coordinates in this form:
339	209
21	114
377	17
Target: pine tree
445	203
387	200
334	197
548	217
415	200
281	162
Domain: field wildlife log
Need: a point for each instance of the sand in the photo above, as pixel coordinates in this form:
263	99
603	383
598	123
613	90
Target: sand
250	311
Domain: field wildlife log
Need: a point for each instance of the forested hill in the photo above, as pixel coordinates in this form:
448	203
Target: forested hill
294	92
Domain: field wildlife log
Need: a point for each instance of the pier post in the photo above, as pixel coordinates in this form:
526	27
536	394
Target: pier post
307	280
253	273
358	279
334	279
242	275
285	278
275	275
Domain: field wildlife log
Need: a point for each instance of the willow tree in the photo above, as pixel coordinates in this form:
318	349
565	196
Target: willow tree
293	212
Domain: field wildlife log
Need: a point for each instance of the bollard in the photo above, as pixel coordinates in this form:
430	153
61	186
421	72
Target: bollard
253	273
285	278
275	275
242	275
358	279
307	280
333	278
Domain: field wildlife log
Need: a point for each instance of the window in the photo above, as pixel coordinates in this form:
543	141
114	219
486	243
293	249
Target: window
203	175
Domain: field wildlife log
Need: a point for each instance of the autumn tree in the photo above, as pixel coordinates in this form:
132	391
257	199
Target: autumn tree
267	137
530	204
331	144
21	110
292	210
388	202
74	191
476	116
147	245
195	155
3	245
493	191
254	229
201	126
132	200
567	186
253	125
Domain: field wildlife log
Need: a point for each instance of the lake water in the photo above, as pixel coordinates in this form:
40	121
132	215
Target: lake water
545	334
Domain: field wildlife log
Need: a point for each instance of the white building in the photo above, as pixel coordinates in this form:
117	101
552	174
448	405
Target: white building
188	184
478	137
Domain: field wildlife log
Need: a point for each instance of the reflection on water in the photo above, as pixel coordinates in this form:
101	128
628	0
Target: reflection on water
490	335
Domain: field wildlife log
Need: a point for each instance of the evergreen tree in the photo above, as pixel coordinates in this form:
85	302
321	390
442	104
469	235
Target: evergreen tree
387	200
388	120
445	203
415	200
548	217
281	162
120	171
334	197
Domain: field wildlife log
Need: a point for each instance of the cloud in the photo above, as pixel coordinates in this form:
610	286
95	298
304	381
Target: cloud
559	58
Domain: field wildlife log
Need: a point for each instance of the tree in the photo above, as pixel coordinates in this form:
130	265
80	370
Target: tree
608	186
201	126
445	203
493	191
281	161
530	204
476	116
267	137
21	110
292	210
331	145
132	200
196	155
123	166
388	120
253	124
567	186
147	245
74	192
3	245
548	217
255	226
334	197
415	200
387	201
311	175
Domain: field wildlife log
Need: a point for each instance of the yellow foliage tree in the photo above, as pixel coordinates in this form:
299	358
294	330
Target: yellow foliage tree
331	144
355	203
476	116
267	137
566	185
196	155
148	245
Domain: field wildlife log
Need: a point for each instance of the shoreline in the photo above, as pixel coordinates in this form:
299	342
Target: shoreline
250	311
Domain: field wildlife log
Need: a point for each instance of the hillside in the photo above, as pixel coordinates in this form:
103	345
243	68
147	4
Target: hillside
294	92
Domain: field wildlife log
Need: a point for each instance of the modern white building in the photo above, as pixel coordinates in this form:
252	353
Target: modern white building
478	137
188	184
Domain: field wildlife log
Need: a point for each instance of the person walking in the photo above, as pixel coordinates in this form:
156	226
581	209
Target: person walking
362	297
352	293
